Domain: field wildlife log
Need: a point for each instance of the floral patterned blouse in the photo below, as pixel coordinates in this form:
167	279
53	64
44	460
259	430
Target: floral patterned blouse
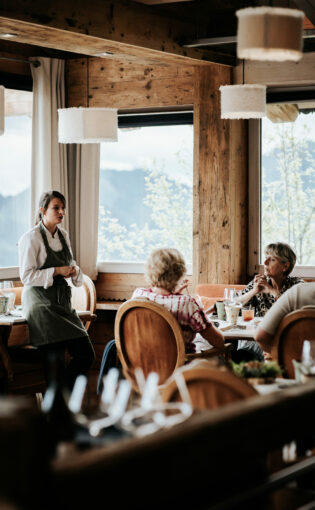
263	301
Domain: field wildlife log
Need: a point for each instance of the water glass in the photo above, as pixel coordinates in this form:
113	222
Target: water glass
220	310
5	287
4	304
229	295
232	312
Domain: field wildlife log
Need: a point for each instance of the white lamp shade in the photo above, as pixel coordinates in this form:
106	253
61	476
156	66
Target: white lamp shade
243	101
2	110
269	33
87	125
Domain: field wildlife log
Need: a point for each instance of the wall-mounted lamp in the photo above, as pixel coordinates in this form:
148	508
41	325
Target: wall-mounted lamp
270	33
2	110
87	125
243	101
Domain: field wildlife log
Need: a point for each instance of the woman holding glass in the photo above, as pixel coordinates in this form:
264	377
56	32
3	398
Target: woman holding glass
264	290
46	262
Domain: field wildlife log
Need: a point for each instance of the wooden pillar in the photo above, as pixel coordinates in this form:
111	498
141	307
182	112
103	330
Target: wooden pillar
220	184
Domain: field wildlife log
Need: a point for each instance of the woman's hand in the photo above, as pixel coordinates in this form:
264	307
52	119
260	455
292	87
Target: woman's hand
261	285
65	271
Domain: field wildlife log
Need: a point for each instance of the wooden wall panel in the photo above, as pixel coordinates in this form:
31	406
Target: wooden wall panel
122	85
238	165
76	82
120	286
220	164
127	85
117	286
219	185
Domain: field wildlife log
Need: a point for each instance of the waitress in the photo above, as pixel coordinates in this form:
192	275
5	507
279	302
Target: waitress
46	262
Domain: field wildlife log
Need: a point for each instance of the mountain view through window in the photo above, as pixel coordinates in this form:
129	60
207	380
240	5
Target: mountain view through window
15	173
145	199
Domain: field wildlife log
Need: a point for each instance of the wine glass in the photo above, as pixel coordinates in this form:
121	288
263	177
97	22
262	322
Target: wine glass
226	294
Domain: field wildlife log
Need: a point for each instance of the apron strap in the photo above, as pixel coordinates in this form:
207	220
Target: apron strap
64	244
43	233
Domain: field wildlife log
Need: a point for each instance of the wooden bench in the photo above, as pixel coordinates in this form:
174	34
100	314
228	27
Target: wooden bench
209	293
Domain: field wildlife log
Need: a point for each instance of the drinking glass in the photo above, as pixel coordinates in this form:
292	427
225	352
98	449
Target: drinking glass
232	295
229	295
5	287
232	312
248	313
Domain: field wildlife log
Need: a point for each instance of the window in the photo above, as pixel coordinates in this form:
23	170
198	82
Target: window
15	174
282	182
146	193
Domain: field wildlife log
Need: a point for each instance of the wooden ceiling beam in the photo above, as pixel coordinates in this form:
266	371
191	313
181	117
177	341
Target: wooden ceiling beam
126	29
160	2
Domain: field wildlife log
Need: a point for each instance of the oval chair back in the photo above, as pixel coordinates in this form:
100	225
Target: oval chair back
84	297
149	337
209	385
294	328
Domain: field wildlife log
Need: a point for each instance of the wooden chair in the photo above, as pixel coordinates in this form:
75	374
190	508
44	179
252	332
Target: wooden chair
209	293
148	336
294	328
84	299
209	385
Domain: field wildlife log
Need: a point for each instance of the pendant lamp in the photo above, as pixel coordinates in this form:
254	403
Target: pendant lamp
270	33
87	125
243	101
2	110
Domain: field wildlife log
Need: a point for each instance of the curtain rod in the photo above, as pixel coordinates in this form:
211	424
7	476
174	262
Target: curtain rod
35	63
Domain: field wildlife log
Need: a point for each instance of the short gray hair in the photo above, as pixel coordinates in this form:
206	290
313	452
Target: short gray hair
284	252
164	268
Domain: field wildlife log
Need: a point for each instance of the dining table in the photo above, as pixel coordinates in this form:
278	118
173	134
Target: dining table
9	323
243	330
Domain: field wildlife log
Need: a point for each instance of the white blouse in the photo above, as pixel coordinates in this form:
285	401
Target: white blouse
32	255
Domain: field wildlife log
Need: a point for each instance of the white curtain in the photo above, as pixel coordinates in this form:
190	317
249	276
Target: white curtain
84	171
49	158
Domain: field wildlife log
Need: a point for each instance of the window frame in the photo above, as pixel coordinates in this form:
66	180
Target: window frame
280	95
25	83
146	118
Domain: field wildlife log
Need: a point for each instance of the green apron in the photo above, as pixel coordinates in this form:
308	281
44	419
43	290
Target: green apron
48	312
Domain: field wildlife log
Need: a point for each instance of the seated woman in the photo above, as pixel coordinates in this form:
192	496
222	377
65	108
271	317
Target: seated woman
164	270
264	290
